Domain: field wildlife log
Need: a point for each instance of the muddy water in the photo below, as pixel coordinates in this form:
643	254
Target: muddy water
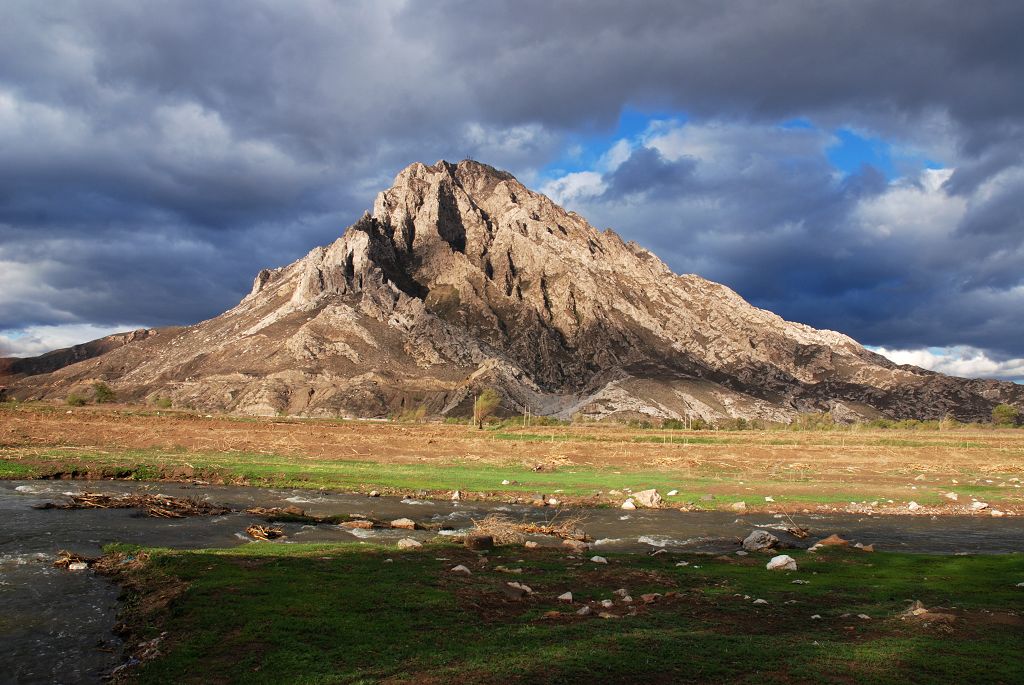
55	625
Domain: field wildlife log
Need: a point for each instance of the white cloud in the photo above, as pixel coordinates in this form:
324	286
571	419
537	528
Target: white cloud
35	340
579	184
968	362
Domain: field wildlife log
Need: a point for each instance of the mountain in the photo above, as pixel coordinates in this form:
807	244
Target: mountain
462	278
18	367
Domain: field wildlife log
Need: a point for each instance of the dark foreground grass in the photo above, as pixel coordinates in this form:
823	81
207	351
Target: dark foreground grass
275	613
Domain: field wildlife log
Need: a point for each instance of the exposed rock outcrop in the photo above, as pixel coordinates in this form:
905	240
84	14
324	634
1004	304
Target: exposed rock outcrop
462	278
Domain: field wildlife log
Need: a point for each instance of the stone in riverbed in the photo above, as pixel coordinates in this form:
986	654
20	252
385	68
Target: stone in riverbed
575	545
914	506
628	504
373	493
833	541
739	506
359	523
979	506
760	540
409	543
403	523
78	566
530	544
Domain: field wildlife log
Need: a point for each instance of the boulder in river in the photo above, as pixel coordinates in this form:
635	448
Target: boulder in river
576	545
759	541
739	506
404	523
833	541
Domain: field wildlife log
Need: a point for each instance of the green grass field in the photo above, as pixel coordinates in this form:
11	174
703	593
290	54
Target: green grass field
272	613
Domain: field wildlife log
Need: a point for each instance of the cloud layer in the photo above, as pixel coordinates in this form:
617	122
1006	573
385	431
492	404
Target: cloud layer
155	157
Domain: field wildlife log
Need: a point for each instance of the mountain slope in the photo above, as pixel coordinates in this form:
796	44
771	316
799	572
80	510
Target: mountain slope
463	278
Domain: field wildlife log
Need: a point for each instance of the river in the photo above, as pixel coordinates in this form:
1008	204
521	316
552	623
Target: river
56	625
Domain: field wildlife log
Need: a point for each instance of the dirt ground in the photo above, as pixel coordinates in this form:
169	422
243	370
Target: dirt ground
860	455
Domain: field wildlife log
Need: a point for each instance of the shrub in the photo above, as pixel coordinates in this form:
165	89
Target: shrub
1005	415
103	393
163	402
74	400
484	405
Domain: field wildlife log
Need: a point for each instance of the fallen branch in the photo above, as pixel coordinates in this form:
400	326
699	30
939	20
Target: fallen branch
159	506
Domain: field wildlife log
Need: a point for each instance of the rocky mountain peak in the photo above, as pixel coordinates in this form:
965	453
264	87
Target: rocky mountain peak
461	277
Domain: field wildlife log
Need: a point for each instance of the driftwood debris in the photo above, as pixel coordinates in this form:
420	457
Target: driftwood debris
65	559
264	532
159	506
506	531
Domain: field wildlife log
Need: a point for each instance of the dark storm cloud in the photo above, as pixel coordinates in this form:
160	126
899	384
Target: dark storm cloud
154	156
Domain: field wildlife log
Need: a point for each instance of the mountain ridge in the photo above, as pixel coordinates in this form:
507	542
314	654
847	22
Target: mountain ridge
460	278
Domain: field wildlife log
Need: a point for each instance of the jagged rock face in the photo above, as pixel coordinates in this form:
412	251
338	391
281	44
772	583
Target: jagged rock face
461	278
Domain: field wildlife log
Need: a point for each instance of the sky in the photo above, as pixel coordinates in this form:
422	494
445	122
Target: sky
857	166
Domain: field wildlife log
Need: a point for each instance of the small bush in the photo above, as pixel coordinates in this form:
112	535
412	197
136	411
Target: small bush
103	393
1005	415
163	402
74	400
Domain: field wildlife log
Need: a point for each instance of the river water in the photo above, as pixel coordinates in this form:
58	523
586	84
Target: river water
56	625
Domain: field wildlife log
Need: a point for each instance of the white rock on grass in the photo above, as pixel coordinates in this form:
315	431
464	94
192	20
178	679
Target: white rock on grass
519	586
628	504
913	506
584	611
598	560
997	513
979	506
607	603
565	597
506	482
952	496
760	601
461	569
783	562
409	543
816	617
647	498
739	506
671	493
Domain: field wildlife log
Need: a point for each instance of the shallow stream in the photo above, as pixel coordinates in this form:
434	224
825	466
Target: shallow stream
56	625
